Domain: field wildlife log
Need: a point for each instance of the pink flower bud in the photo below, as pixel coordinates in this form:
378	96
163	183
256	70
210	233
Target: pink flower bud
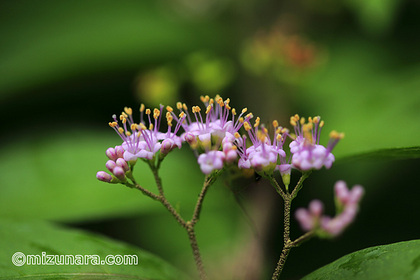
356	194
122	163
110	165
316	208
190	138
167	146
341	192
103	176
111	154
119	173
119	151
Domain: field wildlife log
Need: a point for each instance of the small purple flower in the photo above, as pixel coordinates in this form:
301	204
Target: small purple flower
307	153
210	161
263	154
144	142
347	204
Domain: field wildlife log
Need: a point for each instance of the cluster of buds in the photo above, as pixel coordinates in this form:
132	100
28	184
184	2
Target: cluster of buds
347	205
116	165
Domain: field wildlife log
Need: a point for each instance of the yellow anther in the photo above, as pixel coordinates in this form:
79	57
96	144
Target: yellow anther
228	107
275	123
184	106
156	113
133	126
181	115
142	126
257	122
317	119
227	101
321	124
234	111
211	102
124	114
113	124
128	133
335	135
244	110
151	126
197	109
247	126
202	98
121	130
250	115
279	137
310	119
302	121
278	130
128	110
264	130
261	136
208	109
169	109
148	111
179	105
124	120
234	147
284	130
237	135
142	107
241	120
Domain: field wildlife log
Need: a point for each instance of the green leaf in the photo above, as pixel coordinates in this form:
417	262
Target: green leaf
395	261
386	154
364	92
34	238
48	41
53	177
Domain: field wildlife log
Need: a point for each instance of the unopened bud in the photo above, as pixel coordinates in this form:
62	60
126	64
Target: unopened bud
110	165
190	138
122	163
119	151
119	173
103	176
111	154
167	146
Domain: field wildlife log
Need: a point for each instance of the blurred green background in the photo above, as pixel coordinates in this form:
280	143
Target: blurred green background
67	66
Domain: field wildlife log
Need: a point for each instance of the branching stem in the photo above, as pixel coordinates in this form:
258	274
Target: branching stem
288	244
188	225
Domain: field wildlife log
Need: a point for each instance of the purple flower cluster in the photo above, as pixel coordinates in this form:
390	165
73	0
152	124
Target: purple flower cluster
307	153
215	137
347	205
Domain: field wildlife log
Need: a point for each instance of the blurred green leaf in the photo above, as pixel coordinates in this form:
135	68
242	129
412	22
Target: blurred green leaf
395	261
386	154
364	92
47	41
53	177
375	16
34	238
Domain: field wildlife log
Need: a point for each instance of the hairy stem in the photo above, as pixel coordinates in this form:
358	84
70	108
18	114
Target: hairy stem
288	244
196	250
